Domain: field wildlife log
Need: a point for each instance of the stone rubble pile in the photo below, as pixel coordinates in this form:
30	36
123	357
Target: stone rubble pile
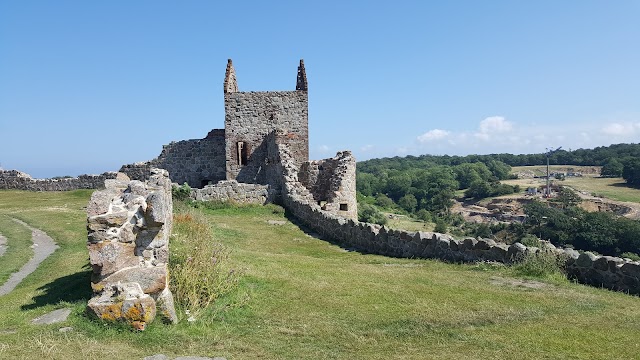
129	224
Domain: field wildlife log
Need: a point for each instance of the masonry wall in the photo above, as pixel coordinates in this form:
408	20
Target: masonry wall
250	117
332	183
14	179
197	162
587	268
231	190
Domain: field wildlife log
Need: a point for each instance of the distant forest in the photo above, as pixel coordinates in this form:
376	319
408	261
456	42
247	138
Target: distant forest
425	187
582	157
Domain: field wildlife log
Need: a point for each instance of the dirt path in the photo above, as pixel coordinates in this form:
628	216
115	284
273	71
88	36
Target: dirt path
3	244
43	246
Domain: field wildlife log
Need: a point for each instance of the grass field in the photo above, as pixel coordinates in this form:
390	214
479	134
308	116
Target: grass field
610	188
300	297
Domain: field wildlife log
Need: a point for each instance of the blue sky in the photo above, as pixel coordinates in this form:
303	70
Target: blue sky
87	86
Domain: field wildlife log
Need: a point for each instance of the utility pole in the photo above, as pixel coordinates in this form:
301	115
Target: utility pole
548	154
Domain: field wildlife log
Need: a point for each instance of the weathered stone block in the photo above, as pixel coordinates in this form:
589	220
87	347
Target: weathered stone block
152	280
586	259
108	257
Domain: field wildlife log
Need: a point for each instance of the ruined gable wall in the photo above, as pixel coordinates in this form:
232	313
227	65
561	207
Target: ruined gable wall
251	116
18	180
332	182
196	162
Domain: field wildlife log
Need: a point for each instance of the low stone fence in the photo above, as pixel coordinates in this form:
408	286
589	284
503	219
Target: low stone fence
587	268
600	271
18	180
231	190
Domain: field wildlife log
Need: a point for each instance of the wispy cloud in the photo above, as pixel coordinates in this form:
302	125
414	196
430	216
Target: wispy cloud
499	134
366	148
435	134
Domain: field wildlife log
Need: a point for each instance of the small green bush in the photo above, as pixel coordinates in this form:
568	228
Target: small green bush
530	240
182	192
541	264
370	214
441	226
630	255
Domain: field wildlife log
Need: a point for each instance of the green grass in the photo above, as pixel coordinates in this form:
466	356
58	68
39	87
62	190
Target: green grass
18	247
301	297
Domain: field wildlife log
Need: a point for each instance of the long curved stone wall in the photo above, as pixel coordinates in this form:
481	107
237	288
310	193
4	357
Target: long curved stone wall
600	271
18	180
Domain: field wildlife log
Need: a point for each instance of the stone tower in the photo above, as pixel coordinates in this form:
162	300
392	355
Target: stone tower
251	116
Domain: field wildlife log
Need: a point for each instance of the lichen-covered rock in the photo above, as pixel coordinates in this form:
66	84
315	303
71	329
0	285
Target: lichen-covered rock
124	302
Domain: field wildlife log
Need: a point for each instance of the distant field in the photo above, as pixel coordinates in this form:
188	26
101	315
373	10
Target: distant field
541	170
610	188
404	222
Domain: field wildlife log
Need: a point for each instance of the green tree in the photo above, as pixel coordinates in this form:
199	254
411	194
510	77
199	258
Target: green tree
408	202
612	168
631	171
384	201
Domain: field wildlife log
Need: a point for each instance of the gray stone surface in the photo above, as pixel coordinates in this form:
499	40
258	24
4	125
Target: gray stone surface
43	246
53	317
128	225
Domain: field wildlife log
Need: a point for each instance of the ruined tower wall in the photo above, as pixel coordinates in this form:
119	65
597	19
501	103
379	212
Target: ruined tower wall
332	182
196	162
250	117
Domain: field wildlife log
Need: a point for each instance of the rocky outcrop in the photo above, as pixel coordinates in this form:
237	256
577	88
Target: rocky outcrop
128	225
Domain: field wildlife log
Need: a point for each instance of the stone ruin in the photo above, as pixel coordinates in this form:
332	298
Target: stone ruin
236	163
129	224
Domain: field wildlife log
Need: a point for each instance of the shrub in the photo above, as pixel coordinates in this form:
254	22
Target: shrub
199	266
530	240
441	226
423	215
181	193
369	213
630	255
541	264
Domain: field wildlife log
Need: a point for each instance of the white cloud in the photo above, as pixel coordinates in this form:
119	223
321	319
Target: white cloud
435	134
323	148
495	124
620	129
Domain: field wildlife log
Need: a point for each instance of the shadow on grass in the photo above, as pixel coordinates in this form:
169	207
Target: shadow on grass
624	185
310	232
70	288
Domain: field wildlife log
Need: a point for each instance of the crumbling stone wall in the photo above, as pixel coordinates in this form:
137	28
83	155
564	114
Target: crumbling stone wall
129	224
251	116
233	191
332	182
18	180
601	271
197	162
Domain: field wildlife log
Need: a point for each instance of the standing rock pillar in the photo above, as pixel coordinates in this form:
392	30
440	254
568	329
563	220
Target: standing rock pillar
129	224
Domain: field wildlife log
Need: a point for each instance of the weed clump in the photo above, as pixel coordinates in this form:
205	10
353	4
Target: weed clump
199	266
540	264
